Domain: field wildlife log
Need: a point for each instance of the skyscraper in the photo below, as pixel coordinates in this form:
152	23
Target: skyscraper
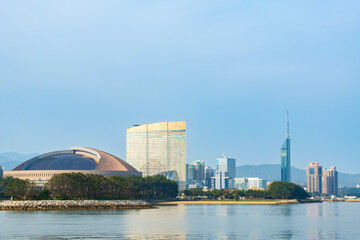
209	173
330	181
190	173
226	164
195	173
314	177
321	180
199	170
158	147
285	155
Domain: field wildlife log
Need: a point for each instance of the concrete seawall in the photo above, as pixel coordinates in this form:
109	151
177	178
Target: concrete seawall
74	205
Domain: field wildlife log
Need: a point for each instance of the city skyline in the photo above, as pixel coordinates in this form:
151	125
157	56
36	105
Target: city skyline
189	161
81	74
171	119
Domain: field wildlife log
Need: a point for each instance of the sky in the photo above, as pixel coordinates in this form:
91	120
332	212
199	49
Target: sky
79	73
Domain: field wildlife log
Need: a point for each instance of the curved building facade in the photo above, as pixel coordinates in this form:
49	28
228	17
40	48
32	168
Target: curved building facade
158	147
78	159
171	175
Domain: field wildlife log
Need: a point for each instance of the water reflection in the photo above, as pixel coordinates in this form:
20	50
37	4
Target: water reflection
301	221
282	210
320	234
230	210
287	234
325	209
286	210
330	209
314	210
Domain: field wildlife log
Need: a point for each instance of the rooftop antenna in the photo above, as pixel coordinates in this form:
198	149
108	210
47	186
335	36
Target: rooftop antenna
287	124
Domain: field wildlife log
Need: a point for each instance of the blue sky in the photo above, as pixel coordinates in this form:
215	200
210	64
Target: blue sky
81	72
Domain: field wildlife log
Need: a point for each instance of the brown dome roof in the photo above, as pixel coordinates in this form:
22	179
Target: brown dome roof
77	158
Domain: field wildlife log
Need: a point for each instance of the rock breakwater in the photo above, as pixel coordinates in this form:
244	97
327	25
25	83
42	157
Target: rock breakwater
74	205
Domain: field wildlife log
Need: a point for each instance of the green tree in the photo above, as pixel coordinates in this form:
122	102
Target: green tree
91	186
17	188
286	190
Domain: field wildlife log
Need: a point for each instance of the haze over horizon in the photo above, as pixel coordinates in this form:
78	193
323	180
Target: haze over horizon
80	73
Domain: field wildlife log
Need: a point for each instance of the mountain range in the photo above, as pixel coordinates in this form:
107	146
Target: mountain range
10	160
271	172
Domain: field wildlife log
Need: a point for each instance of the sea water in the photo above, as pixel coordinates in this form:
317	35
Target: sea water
328	220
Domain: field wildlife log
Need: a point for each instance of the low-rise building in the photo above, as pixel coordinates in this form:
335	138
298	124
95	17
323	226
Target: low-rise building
257	183
220	180
250	183
241	183
195	185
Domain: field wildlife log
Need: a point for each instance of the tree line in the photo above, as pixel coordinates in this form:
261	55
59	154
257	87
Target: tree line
277	190
90	186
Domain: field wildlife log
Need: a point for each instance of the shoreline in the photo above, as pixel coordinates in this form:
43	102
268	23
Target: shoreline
240	202
35	205
233	202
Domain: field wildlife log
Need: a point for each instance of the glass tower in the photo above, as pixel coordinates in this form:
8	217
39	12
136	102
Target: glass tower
226	164
190	173
158	147
285	156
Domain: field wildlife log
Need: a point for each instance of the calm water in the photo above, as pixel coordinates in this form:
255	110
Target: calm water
303	221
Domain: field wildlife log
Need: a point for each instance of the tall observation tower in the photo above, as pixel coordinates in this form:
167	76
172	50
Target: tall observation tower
285	155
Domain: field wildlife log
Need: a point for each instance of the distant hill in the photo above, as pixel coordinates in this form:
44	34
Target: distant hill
10	160
271	172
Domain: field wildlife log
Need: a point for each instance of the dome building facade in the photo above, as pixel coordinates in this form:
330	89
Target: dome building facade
76	160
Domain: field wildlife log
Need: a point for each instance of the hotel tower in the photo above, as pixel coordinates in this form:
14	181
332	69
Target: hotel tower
158	147
285	155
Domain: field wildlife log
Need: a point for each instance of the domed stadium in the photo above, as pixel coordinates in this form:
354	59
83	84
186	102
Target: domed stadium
78	159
